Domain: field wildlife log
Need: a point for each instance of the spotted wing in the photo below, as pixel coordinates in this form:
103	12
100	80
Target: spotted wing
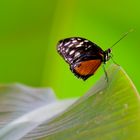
76	49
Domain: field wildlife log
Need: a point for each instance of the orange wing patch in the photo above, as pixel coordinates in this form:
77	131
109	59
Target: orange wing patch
88	67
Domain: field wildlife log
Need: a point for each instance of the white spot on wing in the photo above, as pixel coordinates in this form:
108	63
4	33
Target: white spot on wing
72	38
66	59
60	44
58	48
74	41
67	43
77	54
69	58
88	47
67	50
71	52
79	45
70	45
86	41
79	39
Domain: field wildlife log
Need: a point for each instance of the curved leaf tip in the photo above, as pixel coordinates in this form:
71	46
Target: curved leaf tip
110	110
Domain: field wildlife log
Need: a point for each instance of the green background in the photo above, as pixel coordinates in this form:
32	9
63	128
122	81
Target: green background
30	29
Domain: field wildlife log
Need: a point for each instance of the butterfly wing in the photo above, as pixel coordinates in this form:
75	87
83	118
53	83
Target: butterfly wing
86	68
83	56
74	48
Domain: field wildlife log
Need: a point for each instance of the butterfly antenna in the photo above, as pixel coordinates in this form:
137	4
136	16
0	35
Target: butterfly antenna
131	30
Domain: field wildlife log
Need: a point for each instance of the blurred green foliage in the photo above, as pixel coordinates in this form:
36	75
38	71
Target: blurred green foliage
29	31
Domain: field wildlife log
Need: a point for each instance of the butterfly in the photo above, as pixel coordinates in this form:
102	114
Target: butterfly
83	56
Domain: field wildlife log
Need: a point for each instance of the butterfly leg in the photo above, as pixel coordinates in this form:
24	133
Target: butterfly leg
106	75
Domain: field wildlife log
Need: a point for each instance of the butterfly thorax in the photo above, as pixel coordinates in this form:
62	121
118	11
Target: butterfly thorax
107	55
